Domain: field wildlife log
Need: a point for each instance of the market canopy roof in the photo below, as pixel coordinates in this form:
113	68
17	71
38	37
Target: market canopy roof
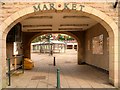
51	42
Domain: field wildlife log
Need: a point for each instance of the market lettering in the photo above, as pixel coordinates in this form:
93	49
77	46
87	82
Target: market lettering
74	6
45	7
37	8
81	7
51	6
66	6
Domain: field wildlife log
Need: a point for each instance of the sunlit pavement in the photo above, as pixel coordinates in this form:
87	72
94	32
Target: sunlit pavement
43	75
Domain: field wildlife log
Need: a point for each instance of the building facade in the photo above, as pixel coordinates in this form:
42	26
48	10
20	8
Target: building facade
48	47
93	24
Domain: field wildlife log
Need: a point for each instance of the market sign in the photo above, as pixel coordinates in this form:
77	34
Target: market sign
58	6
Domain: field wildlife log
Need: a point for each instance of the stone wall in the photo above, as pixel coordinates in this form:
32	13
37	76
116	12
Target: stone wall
99	60
78	35
8	8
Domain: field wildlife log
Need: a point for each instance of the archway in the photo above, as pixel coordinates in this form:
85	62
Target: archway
99	16
75	44
67	33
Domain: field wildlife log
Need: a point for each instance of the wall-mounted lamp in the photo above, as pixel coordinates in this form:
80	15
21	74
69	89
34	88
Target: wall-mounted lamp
115	5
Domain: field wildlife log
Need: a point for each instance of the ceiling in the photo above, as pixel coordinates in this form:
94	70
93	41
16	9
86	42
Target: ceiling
57	22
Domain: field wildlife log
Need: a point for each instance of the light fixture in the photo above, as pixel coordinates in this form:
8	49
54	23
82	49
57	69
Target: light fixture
115	5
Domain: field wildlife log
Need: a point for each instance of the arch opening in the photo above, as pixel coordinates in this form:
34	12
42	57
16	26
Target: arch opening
54	44
109	25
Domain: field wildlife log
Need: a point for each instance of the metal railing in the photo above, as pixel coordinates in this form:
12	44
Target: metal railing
10	71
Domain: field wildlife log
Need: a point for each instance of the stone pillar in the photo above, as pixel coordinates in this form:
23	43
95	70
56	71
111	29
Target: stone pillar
114	53
118	63
27	36
26	50
2	60
4	65
80	37
119	68
79	55
119	45
0	64
81	48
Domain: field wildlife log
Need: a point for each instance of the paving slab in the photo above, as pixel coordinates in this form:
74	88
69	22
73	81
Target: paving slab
72	75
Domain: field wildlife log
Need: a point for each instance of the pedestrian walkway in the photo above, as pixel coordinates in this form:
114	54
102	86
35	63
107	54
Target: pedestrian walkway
43	75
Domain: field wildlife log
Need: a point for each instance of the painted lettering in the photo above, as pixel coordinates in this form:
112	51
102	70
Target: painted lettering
74	6
36	8
52	7
81	7
45	7
66	6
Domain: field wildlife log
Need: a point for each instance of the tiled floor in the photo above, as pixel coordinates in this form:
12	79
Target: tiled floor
71	74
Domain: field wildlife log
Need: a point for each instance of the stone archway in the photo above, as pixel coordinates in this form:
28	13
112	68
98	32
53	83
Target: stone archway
97	15
68	33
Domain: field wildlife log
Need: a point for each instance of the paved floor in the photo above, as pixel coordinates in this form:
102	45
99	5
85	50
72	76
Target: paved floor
43	75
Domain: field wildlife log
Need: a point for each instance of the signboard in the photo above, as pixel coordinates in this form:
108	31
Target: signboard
58	6
17	48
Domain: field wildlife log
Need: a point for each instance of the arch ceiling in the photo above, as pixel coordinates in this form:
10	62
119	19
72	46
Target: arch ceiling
57	22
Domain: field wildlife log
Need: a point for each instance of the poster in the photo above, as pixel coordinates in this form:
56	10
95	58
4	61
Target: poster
98	44
17	48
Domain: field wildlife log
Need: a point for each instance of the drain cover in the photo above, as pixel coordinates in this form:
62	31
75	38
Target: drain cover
38	78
